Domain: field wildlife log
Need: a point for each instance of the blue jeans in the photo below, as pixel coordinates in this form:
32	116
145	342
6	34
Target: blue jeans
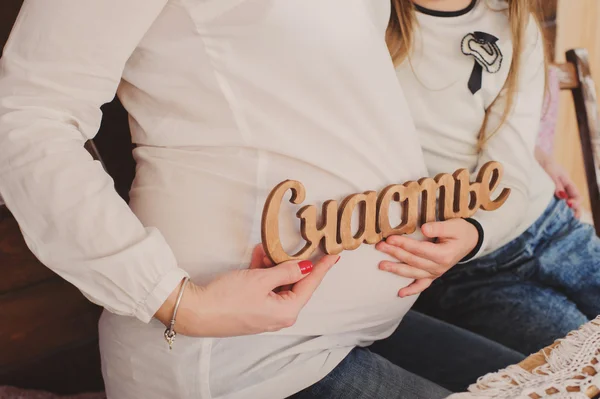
530	292
440	353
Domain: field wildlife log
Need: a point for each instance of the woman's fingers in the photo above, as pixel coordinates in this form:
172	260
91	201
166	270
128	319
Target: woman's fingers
405	257
258	255
284	277
267	262
284	288
308	285
404	270
261	261
416	287
286	273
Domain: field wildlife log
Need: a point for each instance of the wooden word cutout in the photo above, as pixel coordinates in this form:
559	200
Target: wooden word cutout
458	198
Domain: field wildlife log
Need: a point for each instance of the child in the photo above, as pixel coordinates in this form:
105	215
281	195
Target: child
473	73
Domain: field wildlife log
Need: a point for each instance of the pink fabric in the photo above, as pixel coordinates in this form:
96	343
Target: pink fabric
17	393
548	123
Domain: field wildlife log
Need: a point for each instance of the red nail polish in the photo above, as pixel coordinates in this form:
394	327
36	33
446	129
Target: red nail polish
338	259
306	266
562	195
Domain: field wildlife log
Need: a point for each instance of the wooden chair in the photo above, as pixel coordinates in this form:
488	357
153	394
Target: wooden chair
575	76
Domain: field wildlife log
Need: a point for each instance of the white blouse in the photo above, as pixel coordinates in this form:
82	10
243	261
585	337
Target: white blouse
226	99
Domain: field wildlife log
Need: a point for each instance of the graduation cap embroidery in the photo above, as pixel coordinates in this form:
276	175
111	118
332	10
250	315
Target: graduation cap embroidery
481	46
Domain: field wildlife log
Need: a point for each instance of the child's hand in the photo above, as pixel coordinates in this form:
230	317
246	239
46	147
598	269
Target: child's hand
425	261
565	187
567	190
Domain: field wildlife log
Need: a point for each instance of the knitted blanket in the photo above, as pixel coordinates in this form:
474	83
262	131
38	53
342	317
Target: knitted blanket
568	369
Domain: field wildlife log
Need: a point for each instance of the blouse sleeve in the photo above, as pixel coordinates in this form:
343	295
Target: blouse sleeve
513	144
545	140
63	60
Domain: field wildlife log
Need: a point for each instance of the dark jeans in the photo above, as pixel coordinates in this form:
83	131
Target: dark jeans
438	352
530	292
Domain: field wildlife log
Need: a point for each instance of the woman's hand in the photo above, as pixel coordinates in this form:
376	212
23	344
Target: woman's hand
425	261
565	187
243	302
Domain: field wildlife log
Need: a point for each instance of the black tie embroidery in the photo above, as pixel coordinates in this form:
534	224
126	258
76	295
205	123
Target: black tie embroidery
481	46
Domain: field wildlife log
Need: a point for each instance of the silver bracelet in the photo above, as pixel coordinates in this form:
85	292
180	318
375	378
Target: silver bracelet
170	331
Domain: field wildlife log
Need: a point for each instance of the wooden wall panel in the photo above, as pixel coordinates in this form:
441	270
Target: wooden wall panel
578	25
42	318
18	267
8	13
68	371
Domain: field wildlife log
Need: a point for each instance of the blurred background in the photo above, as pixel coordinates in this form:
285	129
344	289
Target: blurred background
572	24
48	338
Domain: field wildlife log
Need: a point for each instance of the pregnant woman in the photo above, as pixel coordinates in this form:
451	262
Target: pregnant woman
226	99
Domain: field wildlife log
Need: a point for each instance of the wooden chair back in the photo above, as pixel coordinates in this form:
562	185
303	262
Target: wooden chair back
575	76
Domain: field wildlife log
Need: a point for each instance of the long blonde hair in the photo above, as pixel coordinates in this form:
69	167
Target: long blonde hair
401	31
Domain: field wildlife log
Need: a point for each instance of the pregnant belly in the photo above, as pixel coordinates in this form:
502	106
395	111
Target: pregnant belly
211	218
354	296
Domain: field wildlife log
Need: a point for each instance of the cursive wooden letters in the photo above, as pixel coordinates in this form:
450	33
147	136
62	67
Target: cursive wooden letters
458	198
